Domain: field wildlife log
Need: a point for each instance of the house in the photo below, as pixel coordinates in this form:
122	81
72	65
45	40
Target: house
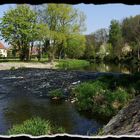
3	50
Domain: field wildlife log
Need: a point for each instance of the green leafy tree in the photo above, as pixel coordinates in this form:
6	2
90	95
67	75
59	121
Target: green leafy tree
115	37
131	32
90	50
18	28
101	36
63	22
105	50
75	46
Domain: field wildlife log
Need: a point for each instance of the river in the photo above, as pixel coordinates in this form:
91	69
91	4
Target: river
102	67
23	96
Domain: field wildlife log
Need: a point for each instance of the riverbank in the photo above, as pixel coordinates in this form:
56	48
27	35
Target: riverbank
61	64
16	65
71	64
126	122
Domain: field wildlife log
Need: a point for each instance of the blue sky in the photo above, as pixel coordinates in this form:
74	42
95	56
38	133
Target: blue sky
98	16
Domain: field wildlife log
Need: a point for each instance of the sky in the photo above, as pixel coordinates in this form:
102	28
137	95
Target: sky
97	16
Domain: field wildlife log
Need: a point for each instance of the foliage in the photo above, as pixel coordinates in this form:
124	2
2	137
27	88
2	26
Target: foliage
100	98
90	50
115	38
36	127
72	63
101	36
106	49
56	93
85	93
131	32
75	46
18	28
63	22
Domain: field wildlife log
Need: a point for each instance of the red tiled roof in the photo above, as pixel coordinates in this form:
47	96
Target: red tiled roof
1	46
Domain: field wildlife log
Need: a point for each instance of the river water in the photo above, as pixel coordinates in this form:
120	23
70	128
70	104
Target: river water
102	67
19	107
19	104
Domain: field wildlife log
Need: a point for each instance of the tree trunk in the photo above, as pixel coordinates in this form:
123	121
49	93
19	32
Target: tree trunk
27	54
60	54
22	55
31	50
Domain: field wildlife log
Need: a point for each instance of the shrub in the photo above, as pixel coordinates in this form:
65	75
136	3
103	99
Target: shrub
57	94
97	97
85	93
35	126
72	63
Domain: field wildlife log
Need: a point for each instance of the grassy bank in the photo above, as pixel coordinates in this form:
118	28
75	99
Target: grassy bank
35	127
71	63
107	95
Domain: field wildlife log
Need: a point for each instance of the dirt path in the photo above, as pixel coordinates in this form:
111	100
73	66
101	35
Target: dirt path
9	65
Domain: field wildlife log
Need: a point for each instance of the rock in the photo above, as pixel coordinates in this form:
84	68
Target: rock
75	83
34	81
126	122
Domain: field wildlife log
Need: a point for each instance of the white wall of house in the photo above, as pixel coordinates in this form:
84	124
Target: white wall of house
3	52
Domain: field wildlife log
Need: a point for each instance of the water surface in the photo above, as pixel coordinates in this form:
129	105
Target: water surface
21	106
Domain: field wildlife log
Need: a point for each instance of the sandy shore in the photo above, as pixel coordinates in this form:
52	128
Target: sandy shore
9	65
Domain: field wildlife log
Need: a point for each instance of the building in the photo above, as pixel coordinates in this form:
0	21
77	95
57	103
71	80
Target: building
3	50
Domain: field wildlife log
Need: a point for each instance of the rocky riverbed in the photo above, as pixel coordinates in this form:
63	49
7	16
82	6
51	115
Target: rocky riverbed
39	82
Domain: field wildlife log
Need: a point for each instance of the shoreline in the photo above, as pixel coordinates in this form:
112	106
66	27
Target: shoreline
16	65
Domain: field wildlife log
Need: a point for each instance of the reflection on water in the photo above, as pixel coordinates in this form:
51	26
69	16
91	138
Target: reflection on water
20	107
101	67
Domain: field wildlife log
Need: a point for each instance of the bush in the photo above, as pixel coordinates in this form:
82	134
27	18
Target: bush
56	94
85	93
72	63
35	126
97	97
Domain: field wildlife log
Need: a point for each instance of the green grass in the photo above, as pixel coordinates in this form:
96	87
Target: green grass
57	93
106	95
35	127
71	63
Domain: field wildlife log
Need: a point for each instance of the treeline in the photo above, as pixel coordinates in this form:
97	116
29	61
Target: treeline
119	43
56	31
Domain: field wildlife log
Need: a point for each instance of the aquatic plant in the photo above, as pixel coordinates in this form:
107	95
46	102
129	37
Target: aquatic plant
56	94
36	127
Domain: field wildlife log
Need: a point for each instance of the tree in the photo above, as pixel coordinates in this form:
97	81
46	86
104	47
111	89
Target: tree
105	50
75	46
90	50
115	37
18	28
63	22
101	36
131	32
